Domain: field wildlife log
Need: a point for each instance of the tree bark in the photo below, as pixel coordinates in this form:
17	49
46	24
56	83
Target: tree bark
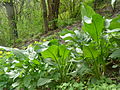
44	8
53	7
11	19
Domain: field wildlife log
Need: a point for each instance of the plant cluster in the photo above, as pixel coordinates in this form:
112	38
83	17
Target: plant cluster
78	63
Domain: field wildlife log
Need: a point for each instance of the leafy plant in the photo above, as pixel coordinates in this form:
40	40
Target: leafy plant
25	69
94	42
60	57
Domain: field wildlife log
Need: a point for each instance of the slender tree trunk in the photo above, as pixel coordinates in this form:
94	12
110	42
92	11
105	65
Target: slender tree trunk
11	19
44	8
53	7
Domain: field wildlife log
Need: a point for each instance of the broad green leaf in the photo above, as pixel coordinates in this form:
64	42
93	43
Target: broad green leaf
56	52
63	52
43	81
51	52
19	54
115	54
115	23
95	28
90	51
27	80
86	11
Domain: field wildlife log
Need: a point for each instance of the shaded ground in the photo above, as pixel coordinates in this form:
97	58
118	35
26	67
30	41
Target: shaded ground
52	34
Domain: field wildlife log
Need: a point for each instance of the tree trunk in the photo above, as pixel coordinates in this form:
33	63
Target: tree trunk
12	20
53	7
44	8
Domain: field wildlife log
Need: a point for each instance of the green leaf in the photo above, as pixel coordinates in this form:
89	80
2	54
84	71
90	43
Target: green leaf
114	66
63	52
86	11
67	35
68	38
90	51
53	42
113	30
56	52
51	52
43	81
65	31
83	69
115	54
27	80
13	74
19	54
15	84
115	39
36	62
115	23
94	28
19	65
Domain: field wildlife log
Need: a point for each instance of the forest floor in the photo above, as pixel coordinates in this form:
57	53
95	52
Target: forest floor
105	10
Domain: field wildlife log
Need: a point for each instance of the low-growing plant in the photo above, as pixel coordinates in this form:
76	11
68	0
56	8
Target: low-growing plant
38	66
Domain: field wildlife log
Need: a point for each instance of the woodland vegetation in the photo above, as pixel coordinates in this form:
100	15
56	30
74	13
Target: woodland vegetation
59	44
